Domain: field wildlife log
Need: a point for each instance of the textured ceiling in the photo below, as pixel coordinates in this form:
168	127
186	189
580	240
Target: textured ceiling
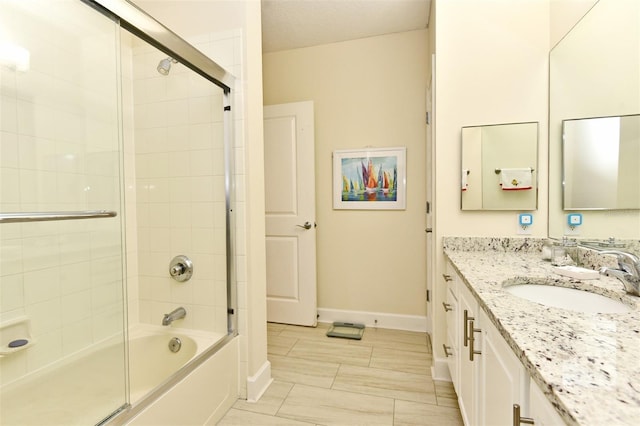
290	24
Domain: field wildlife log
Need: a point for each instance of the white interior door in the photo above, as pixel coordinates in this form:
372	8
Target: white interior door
429	222
290	213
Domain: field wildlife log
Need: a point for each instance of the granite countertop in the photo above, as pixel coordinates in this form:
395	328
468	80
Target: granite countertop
588	365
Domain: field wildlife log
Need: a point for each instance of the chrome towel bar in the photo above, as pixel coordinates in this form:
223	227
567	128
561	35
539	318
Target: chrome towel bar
47	216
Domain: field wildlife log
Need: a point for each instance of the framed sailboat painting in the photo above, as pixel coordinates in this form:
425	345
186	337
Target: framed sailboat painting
370	179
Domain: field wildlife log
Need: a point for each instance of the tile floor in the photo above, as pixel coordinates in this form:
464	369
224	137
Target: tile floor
383	379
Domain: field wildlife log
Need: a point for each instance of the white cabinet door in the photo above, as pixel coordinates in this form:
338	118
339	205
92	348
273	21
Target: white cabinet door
542	412
501	379
469	343
452	350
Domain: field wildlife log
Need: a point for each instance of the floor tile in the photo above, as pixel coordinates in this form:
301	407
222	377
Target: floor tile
388	383
409	362
270	402
401	346
446	394
333	407
235	417
398	336
279	345
412	413
295	370
330	352
383	379
274	327
274	330
311	333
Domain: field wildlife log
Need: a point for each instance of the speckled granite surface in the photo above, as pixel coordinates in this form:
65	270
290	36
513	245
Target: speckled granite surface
588	365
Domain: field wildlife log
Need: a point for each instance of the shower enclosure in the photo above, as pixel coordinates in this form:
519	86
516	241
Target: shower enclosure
115	168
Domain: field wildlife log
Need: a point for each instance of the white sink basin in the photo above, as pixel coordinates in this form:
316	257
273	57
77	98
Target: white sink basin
568	298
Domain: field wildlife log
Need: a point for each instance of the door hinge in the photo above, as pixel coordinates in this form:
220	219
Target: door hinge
428	117
428	295
428	208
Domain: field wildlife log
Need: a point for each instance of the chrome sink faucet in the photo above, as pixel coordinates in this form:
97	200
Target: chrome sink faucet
176	314
628	271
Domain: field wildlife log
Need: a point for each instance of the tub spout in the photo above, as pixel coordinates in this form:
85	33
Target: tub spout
176	314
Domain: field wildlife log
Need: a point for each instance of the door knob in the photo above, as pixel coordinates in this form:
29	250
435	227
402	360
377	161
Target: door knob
307	225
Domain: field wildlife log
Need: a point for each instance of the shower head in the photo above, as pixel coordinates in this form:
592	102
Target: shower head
164	66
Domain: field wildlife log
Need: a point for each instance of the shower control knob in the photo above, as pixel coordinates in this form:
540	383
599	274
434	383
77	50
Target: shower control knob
177	270
181	268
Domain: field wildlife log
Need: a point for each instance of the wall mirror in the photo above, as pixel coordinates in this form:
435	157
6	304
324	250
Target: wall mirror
594	71
601	163
499	165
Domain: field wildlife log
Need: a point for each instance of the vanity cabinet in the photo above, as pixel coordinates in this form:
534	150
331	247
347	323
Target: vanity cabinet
450	306
468	360
491	383
541	409
503	378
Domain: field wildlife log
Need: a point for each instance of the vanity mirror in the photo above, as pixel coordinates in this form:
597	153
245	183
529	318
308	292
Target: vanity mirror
499	167
600	164
595	73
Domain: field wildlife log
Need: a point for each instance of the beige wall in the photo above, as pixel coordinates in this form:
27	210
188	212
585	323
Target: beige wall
564	14
491	67
594	73
367	93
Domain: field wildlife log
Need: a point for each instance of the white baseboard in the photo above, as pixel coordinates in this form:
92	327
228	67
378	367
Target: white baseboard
259	382
440	370
376	319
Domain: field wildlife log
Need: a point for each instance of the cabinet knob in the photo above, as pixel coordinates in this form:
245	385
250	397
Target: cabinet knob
517	420
447	307
447	277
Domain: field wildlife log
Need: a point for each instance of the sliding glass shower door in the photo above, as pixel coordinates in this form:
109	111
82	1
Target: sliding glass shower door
62	311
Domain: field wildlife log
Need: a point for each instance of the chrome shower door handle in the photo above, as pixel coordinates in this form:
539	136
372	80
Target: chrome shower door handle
307	225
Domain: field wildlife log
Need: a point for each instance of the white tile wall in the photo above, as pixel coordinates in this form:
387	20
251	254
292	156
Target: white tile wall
64	276
179	189
59	151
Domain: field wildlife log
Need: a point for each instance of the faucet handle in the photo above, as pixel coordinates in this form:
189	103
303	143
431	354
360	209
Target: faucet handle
627	262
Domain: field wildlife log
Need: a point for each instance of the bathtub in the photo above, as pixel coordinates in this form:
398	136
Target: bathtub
206	365
151	361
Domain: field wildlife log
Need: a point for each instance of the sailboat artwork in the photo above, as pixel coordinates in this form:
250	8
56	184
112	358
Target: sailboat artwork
370	177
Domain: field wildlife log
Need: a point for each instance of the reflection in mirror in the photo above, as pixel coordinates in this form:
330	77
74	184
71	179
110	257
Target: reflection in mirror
499	167
594	71
601	163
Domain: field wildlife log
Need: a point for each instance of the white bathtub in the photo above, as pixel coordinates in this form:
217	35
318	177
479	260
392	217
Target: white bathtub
152	365
151	361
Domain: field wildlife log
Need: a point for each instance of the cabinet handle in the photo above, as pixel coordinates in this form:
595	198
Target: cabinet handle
472	339
447	349
447	277
447	307
517	420
467	318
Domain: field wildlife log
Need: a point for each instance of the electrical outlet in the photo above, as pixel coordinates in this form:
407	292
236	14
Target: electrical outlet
525	221
573	224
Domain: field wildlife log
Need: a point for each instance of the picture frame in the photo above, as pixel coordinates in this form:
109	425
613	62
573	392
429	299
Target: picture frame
370	179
